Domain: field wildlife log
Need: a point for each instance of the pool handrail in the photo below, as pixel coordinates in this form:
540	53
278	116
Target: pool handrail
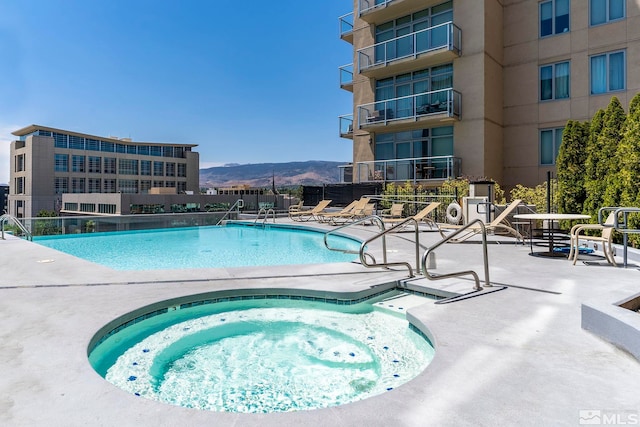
5	218
360	252
239	204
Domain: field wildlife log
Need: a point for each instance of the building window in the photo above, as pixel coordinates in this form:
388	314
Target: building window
145	185
62	162
19	185
121	148
182	170
19	167
128	186
77	163
93	144
109	185
106	208
109	165
77	185
145	167
554	17
70	206
608	72
603	11
171	169
132	149
76	142
158	184
550	140
156	150
61	185
128	167
182	187
554	81
143	150
107	147
94	185
87	207
60	140
158	168
95	164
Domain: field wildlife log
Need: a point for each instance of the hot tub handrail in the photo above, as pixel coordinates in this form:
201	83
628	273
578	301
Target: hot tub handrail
466	272
383	234
6	218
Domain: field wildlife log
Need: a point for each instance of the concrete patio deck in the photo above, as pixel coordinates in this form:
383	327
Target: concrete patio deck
516	356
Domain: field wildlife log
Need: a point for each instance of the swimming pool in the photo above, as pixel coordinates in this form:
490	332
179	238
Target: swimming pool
203	247
262	354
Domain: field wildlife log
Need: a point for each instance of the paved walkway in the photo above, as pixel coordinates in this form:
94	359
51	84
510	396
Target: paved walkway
516	356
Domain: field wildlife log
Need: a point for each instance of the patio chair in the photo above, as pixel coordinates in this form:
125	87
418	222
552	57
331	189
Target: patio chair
311	214
326	216
297	207
500	223
421	216
605	237
395	211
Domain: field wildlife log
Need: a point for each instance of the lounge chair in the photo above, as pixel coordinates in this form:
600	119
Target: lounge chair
297	207
394	212
500	223
326	216
358	211
605	237
421	216
311	214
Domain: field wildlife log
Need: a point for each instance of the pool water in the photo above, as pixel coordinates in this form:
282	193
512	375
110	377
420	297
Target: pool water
202	247
264	356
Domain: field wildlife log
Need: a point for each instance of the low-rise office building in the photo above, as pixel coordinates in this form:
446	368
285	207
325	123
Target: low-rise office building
47	163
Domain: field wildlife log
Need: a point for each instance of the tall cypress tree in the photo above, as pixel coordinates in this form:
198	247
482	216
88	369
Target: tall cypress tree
611	136
592	179
571	167
629	155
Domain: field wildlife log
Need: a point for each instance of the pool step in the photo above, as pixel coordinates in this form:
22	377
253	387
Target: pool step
400	303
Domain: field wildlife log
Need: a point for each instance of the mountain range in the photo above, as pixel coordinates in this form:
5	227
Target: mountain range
313	172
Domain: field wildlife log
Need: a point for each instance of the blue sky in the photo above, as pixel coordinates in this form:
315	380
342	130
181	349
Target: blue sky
249	82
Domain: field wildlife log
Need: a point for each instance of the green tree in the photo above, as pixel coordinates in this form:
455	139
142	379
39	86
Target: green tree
593	180
611	136
571	167
629	156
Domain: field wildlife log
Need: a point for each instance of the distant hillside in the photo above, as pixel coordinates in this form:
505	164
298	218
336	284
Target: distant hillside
259	175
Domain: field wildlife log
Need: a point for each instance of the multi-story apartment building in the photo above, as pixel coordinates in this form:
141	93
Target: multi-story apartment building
480	88
47	163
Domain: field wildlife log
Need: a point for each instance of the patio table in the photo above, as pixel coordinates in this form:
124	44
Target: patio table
550	218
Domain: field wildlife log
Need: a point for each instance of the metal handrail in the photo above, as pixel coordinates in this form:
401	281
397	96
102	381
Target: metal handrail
239	204
371	218
466	272
266	215
5	218
383	235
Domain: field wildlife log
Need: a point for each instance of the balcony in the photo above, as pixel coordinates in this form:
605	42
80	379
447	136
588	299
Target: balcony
433	45
346	27
429	107
437	168
346	77
346	126
379	11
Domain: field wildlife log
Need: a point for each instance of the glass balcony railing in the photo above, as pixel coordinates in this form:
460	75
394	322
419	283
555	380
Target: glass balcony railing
444	101
444	36
365	6
346	125
409	169
346	75
346	24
